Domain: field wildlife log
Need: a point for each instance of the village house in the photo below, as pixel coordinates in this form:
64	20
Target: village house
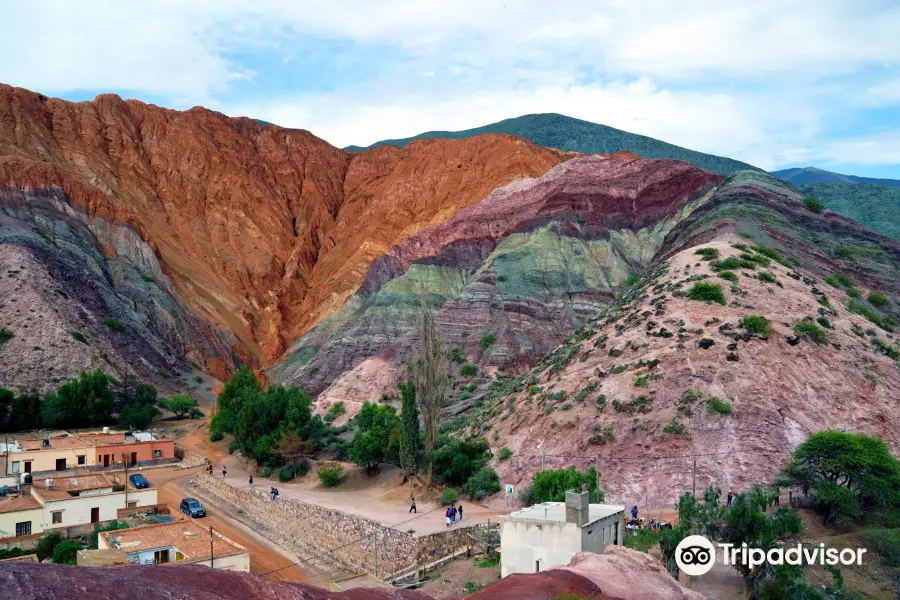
550	534
181	542
62	451
63	502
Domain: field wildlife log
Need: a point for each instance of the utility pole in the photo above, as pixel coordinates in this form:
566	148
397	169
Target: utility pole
125	462
542	460
211	554
375	552
597	468
694	478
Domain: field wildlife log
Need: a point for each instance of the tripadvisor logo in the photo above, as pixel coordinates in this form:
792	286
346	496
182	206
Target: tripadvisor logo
696	555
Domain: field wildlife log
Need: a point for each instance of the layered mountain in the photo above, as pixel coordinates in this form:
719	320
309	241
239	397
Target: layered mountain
566	133
593	266
809	175
257	230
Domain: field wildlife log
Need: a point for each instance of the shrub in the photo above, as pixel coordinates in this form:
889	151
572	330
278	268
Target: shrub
330	476
814	204
640	381
181	405
504	453
485	482
718	406
729	275
198	379
869	314
810	331
643	541
47	543
887	542
631	280
878	299
707	292
338	408
162	373
756	324
501	278
526	496
767	277
6	335
769	252
602	434
707	253
112	526
551	485
457	355
78	337
732	263
487	340
114	324
66	552
675	428
448	496
640	404
287	473
824	322
468	370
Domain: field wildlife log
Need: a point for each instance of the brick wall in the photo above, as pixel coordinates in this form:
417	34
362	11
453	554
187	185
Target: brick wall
310	531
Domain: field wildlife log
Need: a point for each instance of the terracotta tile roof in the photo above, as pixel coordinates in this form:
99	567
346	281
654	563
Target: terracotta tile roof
188	537
77	483
23	558
58	443
23	503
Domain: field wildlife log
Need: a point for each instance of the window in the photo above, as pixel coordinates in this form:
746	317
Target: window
15	466
537	566
23	528
81	459
131	505
157	454
161	556
57	517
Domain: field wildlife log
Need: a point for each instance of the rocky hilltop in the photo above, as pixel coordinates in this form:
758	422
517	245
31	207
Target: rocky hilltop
258	230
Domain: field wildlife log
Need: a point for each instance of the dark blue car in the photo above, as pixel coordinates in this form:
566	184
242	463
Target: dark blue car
192	508
138	481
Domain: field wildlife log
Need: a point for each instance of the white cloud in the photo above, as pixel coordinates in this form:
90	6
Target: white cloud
882	148
722	124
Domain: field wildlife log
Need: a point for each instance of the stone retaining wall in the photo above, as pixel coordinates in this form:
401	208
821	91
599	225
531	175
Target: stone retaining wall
312	531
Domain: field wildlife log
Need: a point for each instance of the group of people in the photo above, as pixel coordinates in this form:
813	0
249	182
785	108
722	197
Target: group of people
637	522
273	493
454	512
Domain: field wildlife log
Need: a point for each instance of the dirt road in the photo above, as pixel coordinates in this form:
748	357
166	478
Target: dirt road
265	555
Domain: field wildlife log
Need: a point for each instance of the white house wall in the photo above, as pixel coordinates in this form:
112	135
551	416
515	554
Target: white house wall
77	510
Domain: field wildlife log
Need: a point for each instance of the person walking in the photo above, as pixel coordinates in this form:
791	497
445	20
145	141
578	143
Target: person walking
272	493
459	511
412	508
447	514
453	515
634	512
224	472
728	500
251	483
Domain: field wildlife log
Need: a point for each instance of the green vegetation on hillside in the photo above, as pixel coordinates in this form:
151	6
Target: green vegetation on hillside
875	206
566	133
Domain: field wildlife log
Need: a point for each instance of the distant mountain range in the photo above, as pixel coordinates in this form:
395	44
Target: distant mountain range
553	130
812	175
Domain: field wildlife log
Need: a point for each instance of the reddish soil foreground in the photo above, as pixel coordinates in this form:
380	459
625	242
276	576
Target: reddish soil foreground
262	229
617	574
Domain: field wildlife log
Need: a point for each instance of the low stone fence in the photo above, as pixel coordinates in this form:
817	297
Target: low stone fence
319	534
141	511
192	459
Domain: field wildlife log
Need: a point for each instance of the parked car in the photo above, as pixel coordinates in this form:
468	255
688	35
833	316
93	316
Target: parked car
138	481
192	508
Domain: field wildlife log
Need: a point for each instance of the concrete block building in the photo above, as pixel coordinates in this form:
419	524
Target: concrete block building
550	534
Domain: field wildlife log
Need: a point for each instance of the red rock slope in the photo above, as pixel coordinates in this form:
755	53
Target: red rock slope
263	230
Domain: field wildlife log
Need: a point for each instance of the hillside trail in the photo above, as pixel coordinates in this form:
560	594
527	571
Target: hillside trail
382	497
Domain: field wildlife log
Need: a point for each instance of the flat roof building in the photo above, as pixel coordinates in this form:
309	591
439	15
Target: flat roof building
550	534
180	542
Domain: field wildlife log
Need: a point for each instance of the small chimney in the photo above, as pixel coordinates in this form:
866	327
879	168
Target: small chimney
577	507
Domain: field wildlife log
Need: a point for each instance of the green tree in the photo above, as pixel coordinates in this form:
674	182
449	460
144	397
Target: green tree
410	446
26	411
456	460
82	402
846	474
551	485
47	543
377	438
432	375
66	552
112	526
485	482
181	405
6	408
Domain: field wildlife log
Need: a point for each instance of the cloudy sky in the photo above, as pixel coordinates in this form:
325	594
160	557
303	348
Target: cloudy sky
775	83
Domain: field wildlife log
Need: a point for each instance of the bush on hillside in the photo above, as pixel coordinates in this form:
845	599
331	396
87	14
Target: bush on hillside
66	552
814	204
504	453
810	331
707	253
47	543
448	497
718	406
114	324
487	340
6	335
756	324
887	542
878	299
551	485
330	476
707	292
468	370
485	482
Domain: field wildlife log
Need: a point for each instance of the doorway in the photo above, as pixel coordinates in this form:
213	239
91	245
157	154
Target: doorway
28	466
134	458
95	514
106	460
60	464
